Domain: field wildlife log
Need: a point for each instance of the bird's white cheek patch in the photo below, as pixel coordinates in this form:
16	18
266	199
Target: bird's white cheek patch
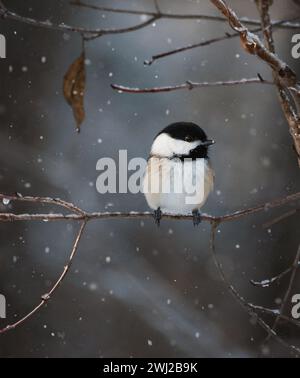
166	146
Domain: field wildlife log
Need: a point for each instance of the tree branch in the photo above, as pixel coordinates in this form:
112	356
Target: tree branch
253	45
190	85
248	307
287	107
91	33
157	7
46	297
268	282
17	197
281	218
285	76
85	217
288	88
284	24
96	33
294	122
154	58
287	295
82	215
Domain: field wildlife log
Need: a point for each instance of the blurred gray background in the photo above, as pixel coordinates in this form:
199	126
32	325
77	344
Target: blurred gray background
135	290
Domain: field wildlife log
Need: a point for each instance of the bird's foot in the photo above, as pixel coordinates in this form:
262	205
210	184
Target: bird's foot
197	217
157	216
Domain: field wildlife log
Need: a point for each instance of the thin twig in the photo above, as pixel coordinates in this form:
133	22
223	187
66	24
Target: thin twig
267	283
46	297
287	295
96	33
43	200
189	47
274	312
281	218
208	42
294	91
284	24
190	85
248	307
92	33
83	215
253	45
157	7
282	87
122	30
284	75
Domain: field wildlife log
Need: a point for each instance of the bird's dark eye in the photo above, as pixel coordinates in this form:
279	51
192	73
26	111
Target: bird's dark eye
188	138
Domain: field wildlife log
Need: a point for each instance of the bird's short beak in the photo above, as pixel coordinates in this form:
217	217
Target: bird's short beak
208	143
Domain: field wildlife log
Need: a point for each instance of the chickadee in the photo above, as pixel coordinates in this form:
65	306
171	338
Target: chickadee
179	176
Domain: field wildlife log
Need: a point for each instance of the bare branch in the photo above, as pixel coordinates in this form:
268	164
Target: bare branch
288	89
294	122
123	30
248	307
189	47
85	216
293	119
154	58
41	200
267	283
95	33
263	7
281	218
157	7
284	24
287	107
284	75
190	85
92	33
46	297
294	270
274	312
253	45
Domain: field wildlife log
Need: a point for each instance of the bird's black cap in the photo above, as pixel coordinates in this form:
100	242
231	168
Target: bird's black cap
189	132
185	131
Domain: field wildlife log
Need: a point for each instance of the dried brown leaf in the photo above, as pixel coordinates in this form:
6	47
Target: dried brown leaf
74	89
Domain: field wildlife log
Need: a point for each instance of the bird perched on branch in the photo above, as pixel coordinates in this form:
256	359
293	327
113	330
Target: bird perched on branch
179	176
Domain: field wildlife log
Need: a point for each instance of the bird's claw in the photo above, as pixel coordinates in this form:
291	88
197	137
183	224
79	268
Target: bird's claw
157	216
197	218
